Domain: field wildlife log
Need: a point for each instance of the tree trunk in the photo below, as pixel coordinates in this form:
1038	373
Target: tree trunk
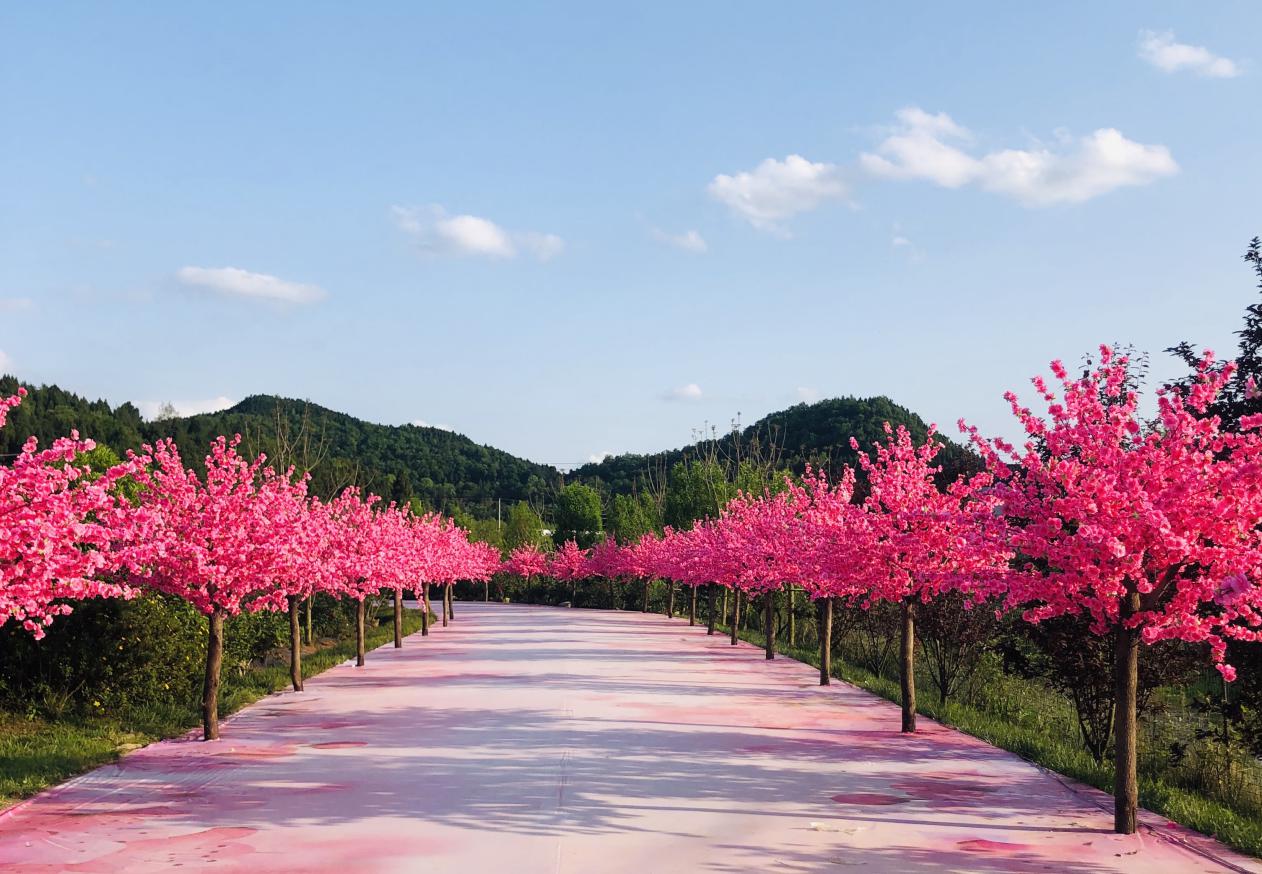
398	618
736	612
210	688
907	665
692	606
310	599
769	611
723	612
359	633
1126	740
442	607
825	641
670	598
645	607
424	596
793	629
711	615
295	643
451	601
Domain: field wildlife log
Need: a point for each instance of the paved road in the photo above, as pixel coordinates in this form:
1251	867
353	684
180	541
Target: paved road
532	739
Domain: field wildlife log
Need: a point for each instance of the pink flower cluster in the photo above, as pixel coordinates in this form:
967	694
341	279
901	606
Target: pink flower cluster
1104	510
59	524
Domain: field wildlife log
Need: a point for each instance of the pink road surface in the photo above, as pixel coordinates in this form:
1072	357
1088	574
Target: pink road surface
534	739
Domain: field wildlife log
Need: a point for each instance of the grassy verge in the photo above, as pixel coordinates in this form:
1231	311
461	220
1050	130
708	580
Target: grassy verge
36	753
1024	730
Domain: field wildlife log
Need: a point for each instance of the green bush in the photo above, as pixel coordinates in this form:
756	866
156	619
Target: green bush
113	655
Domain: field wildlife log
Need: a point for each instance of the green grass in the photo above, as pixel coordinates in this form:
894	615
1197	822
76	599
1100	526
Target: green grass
36	753
1017	720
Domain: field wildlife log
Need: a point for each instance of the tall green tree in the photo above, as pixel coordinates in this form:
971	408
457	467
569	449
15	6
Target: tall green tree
523	527
578	516
632	516
695	490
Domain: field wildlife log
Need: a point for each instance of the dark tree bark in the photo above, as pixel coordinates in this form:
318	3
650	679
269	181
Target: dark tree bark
486	591
711	615
398	618
295	643
645	607
310	599
214	664
670	598
424	596
825	641
451	601
1125	728
736	613
359	633
442	593
692	606
907	665
769	620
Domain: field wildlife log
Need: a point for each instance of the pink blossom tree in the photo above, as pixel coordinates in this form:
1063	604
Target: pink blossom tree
606	560
526	561
354	535
762	536
298	537
1153	532
208	543
59	524
836	538
568	564
924	541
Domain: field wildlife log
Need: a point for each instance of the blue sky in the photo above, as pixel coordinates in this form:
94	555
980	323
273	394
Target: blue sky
565	231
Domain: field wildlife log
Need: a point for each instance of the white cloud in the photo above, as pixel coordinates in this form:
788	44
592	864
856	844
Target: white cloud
598	457
689	241
775	191
545	247
421	423
236	282
6	363
689	392
438	233
1160	50
16	304
918	148
151	409
807	395
925	146
899	240
474	236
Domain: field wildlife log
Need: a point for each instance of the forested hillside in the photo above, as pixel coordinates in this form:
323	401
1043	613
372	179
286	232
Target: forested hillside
443	469
817	434
448	471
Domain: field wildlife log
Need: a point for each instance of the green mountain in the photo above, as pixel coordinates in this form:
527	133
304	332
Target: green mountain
446	470
817	434
442	468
